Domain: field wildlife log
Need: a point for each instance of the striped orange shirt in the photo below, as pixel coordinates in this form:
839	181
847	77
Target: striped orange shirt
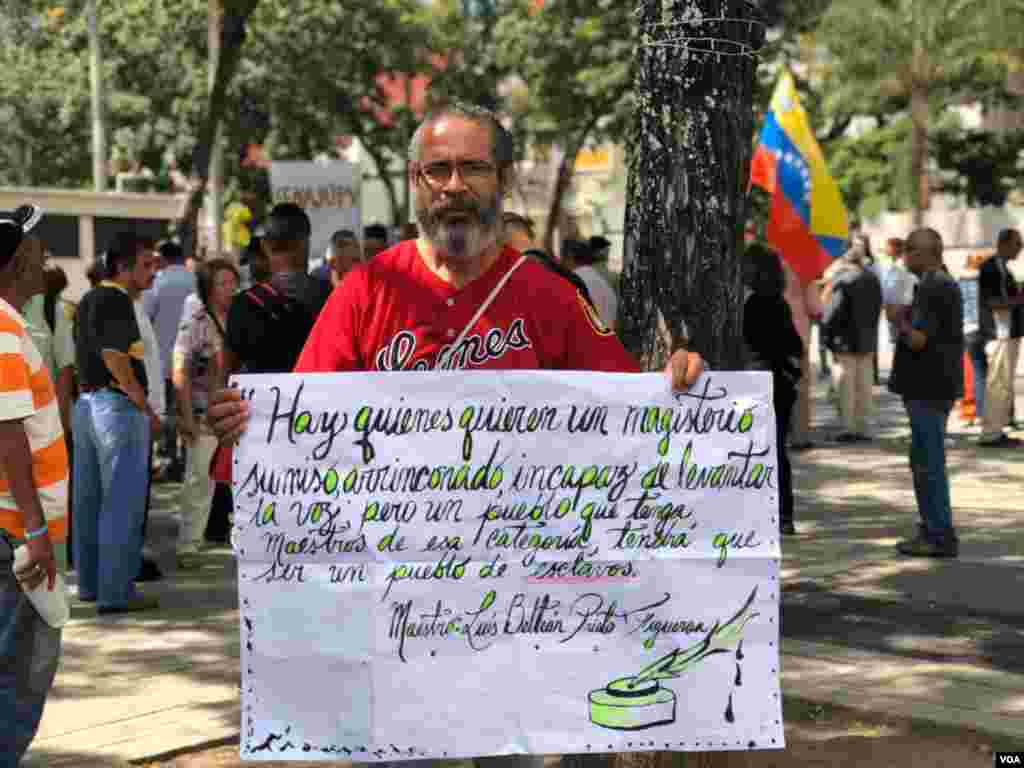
27	394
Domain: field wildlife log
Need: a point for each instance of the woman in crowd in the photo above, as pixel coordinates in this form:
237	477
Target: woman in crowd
775	346
197	351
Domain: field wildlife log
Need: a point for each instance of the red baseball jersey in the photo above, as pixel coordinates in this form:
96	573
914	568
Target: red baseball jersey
394	314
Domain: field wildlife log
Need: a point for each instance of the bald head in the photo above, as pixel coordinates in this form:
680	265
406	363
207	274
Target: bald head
923	250
1008	244
502	148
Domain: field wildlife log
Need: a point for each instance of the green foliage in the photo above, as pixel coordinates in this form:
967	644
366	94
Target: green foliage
44	104
311	67
790	24
887	55
576	59
881	50
873	169
467	40
306	76
155	90
561	75
987	167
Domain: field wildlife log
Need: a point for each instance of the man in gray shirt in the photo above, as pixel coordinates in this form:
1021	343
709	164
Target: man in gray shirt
163	303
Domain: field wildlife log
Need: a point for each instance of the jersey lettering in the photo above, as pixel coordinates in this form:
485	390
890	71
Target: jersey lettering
399	354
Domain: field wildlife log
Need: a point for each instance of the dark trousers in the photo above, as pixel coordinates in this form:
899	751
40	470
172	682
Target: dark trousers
784	401
218	527
979	364
169	436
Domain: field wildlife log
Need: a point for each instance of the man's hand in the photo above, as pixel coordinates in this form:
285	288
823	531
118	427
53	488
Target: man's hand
40	565
683	369
228	415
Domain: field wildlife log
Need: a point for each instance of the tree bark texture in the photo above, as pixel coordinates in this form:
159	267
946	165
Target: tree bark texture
689	169
686	204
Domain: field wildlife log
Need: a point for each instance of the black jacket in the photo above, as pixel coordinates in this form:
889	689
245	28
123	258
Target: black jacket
850	323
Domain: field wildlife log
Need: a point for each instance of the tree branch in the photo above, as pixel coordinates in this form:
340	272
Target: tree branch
232	38
566	172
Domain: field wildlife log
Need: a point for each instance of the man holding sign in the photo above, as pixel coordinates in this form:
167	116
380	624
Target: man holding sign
456	298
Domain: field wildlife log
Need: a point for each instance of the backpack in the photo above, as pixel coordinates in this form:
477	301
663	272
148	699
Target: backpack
288	322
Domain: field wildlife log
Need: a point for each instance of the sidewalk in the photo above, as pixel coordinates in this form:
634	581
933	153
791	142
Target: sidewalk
862	626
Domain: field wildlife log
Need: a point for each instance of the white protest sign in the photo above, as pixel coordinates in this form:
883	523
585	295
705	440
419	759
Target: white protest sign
457	564
329	194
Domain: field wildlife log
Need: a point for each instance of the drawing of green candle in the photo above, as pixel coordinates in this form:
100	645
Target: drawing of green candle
639	701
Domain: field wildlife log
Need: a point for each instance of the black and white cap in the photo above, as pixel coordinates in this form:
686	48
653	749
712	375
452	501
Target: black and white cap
13	229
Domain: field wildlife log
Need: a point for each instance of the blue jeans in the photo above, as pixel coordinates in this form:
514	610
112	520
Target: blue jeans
111	476
928	467
29	653
979	365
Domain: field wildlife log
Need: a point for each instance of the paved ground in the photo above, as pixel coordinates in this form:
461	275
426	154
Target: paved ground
936	640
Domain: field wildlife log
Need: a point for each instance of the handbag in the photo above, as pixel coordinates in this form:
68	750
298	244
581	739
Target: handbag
833	329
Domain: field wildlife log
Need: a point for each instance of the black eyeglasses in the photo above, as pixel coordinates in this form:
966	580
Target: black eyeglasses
470	171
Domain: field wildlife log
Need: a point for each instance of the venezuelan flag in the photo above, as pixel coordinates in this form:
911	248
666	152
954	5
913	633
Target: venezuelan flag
808	223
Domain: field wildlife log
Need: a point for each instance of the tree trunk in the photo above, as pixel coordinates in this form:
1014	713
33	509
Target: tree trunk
566	171
919	151
686	203
689	167
99	122
232	36
562	182
215	186
384	174
402	215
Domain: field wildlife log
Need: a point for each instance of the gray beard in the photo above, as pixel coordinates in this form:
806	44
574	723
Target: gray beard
464	241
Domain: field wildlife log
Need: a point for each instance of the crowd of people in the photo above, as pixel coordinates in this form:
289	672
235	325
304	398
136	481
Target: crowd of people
935	322
134	379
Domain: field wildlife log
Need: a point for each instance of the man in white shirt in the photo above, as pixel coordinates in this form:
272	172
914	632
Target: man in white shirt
897	287
157	397
163	303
